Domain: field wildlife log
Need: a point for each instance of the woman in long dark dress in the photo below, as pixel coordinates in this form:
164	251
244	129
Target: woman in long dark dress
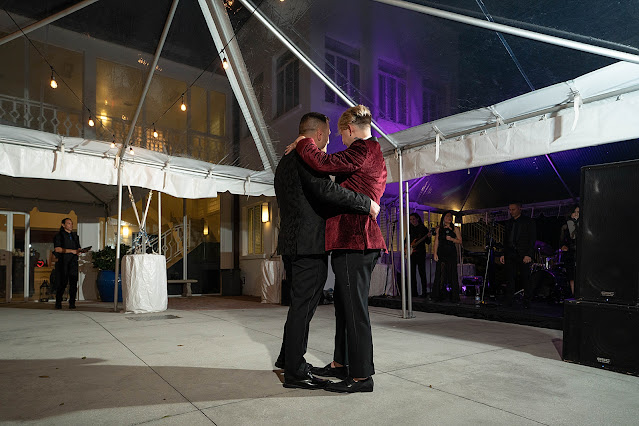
445	254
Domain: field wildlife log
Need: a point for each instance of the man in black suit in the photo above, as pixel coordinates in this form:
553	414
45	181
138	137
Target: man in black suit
306	198
519	249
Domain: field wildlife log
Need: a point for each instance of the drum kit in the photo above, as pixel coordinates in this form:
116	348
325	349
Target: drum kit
548	279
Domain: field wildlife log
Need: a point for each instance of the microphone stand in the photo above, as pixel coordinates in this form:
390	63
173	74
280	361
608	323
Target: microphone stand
489	254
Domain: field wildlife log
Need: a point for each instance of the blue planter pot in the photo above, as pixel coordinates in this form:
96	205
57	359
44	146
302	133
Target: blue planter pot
106	285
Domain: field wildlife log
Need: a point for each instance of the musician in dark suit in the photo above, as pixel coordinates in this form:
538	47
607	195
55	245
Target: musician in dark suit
519	249
306	198
420	236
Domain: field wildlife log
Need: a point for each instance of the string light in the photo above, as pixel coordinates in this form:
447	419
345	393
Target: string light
113	142
183	106
91	122
155	132
54	84
131	150
225	63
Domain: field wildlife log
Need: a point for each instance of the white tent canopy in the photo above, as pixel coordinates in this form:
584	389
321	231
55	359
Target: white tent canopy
597	108
33	154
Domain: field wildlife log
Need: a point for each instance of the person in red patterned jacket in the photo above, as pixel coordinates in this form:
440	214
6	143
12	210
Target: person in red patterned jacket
355	242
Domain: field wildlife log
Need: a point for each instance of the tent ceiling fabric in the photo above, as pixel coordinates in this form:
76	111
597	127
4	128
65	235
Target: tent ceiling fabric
529	180
610	119
35	154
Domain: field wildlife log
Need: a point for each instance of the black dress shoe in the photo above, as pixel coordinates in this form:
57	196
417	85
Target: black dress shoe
279	364
71	306
58	306
328	371
308	381
351	386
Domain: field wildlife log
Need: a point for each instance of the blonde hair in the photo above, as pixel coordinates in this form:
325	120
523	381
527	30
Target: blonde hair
358	115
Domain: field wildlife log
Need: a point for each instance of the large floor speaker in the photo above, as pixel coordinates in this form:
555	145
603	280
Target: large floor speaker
607	266
602	335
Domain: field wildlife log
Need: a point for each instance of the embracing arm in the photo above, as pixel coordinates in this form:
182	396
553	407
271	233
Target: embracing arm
342	162
330	195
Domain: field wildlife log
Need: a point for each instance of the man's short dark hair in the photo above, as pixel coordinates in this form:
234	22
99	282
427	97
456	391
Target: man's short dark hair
312	121
516	203
65	219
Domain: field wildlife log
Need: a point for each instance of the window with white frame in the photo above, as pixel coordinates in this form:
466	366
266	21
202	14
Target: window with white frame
392	93
254	228
342	67
287	83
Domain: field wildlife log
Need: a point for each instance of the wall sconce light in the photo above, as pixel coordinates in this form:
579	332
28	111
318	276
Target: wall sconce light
206	229
265	215
125	231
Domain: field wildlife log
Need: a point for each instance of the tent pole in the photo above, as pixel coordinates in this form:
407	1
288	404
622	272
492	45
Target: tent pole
159	223
532	35
310	64
401	236
149	77
118	241
409	274
185	240
221	29
46	21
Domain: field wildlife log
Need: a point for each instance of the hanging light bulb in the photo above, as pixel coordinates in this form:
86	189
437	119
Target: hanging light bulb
112	144
54	84
155	132
91	122
183	106
131	150
225	63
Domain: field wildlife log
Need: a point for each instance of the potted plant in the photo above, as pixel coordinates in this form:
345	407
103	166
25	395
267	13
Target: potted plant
104	261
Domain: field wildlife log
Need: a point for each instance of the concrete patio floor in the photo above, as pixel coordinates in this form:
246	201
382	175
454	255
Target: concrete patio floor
213	364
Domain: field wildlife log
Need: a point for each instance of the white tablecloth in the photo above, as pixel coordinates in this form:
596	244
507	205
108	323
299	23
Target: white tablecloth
271	280
144	283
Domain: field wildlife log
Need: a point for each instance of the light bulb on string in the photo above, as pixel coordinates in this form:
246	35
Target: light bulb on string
54	84
91	122
225	63
155	132
183	106
131	150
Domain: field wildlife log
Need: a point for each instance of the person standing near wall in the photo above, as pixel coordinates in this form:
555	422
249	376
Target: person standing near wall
66	248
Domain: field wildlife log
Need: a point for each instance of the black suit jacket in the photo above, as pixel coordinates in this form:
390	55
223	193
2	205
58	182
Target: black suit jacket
524	237
306	198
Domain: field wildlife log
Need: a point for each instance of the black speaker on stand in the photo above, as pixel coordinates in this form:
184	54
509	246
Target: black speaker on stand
607	265
601	327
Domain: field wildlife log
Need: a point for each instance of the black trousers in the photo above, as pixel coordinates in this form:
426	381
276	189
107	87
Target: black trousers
67	275
307	275
418	261
353	338
446	273
515	267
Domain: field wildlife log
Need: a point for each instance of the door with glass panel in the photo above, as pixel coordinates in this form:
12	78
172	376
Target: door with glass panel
15	259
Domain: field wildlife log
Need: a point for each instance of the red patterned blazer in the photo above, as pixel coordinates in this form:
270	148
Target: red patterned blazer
361	168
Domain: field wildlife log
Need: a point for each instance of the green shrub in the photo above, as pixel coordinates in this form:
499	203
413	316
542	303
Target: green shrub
104	259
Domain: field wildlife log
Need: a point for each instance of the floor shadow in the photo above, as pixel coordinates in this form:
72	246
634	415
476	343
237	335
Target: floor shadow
43	388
